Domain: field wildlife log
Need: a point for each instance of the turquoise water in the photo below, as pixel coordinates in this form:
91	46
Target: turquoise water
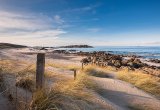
144	51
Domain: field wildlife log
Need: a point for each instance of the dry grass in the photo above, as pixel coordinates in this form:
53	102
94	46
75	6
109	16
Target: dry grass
26	83
28	69
51	74
143	81
7	66
66	95
1	79
25	78
97	71
63	66
14	67
139	107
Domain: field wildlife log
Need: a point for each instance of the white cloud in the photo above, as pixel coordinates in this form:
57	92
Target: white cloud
58	19
83	9
25	21
26	28
35	34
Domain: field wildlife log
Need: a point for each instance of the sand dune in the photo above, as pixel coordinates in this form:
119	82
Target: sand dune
118	94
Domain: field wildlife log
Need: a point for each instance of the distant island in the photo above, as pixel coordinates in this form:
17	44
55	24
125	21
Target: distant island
76	46
8	45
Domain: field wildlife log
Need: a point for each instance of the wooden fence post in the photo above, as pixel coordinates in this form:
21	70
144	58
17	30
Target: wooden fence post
82	66
75	74
40	68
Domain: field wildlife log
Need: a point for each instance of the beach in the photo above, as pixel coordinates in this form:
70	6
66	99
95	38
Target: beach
111	88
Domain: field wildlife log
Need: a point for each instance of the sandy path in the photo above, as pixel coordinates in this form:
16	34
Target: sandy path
123	94
4	103
117	93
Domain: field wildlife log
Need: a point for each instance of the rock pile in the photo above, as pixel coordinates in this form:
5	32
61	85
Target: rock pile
155	60
107	59
119	61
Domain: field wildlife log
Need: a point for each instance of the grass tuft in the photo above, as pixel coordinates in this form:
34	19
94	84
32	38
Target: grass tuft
66	95
26	83
63	66
97	71
143	81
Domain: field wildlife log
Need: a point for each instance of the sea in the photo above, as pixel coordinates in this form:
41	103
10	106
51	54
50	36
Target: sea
142	51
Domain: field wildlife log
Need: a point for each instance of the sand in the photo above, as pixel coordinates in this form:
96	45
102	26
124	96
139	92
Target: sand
116	93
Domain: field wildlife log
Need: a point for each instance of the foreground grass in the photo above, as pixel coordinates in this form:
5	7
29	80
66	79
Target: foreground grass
66	95
146	82
143	81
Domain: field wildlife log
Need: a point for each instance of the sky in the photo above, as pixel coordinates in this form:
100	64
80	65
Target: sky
92	22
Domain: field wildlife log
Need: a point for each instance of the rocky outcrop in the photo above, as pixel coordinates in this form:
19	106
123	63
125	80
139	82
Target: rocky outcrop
118	61
76	46
155	60
8	45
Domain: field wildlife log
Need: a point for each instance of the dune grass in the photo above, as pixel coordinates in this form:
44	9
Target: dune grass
66	95
143	81
97	71
146	82
6	65
16	67
63	66
1	79
26	83
139	107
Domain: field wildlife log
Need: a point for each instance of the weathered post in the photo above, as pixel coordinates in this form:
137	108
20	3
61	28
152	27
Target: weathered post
75	74
82	66
40	70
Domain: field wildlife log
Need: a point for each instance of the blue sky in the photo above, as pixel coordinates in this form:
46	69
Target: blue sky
93	22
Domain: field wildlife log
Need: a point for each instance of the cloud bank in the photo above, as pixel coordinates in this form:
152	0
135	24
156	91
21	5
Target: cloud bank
25	27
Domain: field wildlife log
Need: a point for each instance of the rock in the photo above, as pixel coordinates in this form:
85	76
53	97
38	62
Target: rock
76	46
155	60
85	61
124	62
117	64
60	51
134	65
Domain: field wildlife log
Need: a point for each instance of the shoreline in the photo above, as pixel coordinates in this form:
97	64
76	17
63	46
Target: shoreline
151	62
101	58
60	63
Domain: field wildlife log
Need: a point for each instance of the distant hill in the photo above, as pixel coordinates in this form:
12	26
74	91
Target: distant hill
76	46
8	45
